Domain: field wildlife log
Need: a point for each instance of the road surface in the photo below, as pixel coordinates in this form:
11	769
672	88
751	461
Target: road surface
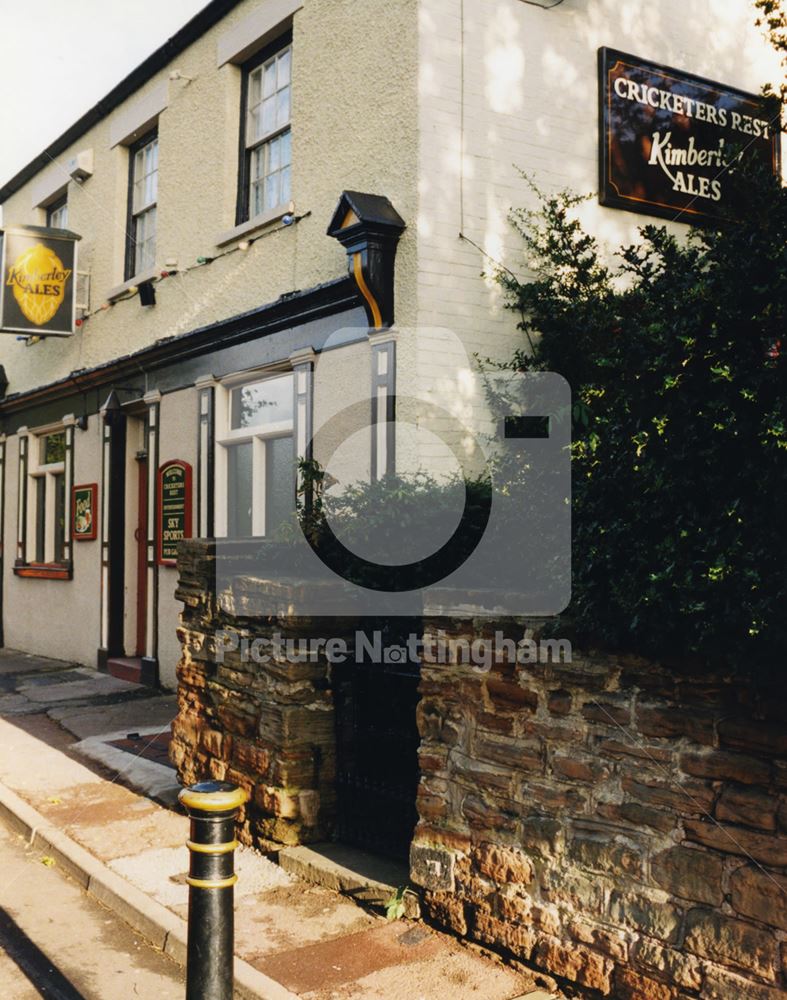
57	942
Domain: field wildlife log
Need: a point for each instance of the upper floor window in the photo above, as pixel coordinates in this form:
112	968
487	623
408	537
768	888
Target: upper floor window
142	197
265	133
57	214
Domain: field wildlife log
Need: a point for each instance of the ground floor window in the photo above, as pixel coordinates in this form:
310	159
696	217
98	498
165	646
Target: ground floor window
47	514
256	439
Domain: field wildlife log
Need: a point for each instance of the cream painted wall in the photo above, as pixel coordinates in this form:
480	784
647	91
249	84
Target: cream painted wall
526	96
354	127
177	439
57	618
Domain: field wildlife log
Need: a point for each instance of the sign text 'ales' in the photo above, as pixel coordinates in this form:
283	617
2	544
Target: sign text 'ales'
668	138
38	288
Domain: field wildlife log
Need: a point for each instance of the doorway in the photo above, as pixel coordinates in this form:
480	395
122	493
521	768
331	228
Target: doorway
377	744
141	539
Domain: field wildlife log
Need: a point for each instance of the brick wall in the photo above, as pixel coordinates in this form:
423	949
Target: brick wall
610	821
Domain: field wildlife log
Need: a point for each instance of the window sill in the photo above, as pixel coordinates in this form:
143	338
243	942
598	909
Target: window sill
138	279
44	571
251	226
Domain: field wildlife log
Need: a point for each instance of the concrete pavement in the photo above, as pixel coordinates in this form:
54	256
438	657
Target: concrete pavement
78	769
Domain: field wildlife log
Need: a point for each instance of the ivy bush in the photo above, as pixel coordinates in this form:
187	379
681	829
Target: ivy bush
676	359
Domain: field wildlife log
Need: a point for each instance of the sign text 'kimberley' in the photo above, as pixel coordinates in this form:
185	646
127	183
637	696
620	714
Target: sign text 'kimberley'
38	289
668	138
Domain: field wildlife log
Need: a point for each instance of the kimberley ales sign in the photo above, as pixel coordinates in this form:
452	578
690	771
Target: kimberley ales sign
38	288
668	137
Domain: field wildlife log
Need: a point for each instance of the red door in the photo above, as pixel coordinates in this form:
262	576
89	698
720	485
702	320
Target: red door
141	536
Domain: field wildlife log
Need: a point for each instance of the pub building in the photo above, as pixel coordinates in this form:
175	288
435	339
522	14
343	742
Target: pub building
287	198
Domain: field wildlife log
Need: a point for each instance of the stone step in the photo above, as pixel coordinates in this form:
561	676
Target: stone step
125	668
364	877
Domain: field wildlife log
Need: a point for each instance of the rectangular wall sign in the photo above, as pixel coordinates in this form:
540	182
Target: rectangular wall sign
84	508
666	138
174	509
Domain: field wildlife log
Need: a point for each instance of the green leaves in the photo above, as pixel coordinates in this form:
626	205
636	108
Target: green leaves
679	421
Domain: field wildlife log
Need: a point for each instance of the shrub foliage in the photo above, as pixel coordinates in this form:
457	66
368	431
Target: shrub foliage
676	358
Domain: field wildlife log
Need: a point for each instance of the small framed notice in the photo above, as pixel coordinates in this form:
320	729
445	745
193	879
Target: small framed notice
83	511
174	509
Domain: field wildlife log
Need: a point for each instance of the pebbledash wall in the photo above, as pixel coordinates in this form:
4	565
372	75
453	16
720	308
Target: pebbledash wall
353	128
618	823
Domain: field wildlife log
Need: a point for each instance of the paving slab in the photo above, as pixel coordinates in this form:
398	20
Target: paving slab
124	717
17	704
154	780
390	962
99	685
14	662
364	877
288	917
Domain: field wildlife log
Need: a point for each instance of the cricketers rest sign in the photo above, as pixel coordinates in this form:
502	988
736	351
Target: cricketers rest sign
667	138
174	509
38	288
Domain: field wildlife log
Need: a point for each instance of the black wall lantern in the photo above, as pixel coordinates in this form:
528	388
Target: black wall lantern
369	227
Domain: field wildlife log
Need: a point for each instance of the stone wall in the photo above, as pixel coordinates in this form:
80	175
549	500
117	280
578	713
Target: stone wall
610	821
265	726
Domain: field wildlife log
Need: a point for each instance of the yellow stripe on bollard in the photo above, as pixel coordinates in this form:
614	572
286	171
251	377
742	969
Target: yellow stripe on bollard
203	883
212	848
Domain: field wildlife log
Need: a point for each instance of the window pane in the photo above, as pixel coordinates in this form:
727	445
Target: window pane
283	107
285	140
254	125
268	115
53	448
60	516
255	93
279	482
58	217
285	192
271	191
255	202
273	156
40	517
239	498
284	64
261	403
145	236
269	86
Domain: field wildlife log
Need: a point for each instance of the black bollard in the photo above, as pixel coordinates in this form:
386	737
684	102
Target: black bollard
212	807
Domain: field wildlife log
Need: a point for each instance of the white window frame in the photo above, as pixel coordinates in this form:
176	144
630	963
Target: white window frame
226	437
36	470
142	211
262	144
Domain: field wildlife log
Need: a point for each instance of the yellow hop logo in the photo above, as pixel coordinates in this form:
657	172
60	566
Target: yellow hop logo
39	282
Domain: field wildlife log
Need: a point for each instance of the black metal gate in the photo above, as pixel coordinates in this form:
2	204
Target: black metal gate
377	744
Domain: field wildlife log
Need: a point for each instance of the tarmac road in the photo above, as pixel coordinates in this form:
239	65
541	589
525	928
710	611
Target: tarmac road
58	943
